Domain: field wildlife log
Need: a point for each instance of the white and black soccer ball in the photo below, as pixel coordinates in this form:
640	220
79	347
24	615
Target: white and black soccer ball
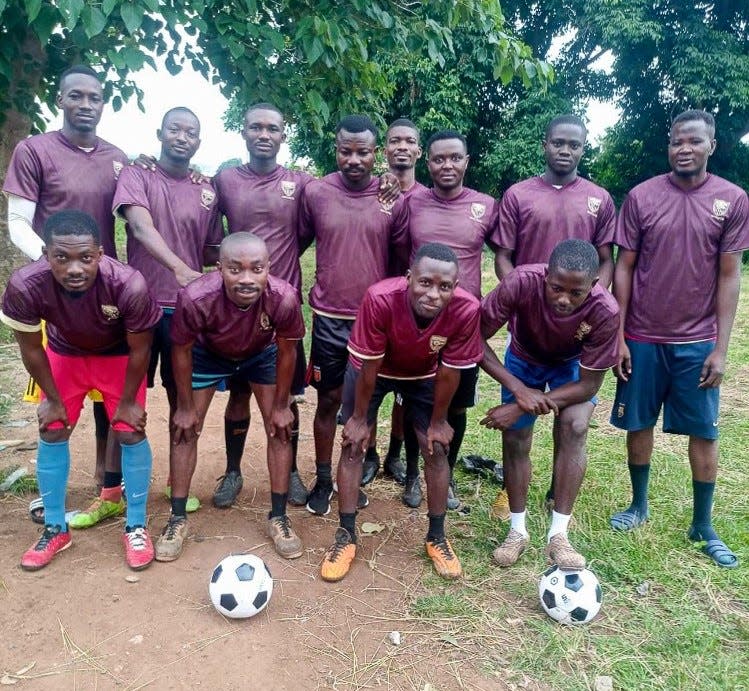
241	586
570	597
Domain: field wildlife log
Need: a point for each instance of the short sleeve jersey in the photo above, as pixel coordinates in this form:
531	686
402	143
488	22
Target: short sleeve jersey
386	328
94	322
543	337
355	235
464	224
534	217
58	175
185	215
206	315
268	206
678	236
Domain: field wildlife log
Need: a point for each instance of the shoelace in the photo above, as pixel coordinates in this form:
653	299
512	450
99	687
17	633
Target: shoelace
171	528
337	548
283	523
137	539
444	548
47	536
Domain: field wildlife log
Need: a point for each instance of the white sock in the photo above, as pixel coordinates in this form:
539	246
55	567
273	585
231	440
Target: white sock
559	524
517	522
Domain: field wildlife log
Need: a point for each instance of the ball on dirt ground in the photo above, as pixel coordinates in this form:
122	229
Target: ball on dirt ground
240	586
570	597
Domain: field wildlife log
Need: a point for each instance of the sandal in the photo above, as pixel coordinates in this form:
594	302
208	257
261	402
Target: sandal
625	521
716	549
36	510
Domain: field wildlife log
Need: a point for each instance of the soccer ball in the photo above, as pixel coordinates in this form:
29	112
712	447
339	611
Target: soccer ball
570	597
241	586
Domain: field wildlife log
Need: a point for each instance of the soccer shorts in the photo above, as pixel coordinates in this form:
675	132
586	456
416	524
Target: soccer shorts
212	370
238	385
328	356
161	352
466	395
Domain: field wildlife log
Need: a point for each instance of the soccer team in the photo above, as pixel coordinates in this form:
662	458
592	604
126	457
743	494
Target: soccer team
397	307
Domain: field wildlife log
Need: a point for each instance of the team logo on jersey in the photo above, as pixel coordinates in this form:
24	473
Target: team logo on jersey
720	209
437	343
316	373
287	189
265	324
110	312
387	207
117	166
477	211
582	331
206	198
620	410
594	203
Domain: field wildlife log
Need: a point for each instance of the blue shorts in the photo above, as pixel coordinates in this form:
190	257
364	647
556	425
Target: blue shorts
667	375
209	369
538	377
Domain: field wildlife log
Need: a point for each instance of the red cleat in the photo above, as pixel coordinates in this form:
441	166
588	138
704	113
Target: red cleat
52	541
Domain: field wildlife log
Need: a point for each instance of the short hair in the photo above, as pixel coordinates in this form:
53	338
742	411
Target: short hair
78	69
566	119
690	115
264	106
70	222
575	255
435	250
238	238
446	134
403	122
356	124
178	109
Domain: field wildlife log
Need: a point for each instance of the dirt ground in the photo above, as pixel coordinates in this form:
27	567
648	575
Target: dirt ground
82	623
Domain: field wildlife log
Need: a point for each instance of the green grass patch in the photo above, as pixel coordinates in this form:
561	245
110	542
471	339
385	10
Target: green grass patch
23	485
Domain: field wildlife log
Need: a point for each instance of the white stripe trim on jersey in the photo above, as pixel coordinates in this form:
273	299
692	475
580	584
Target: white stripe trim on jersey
596	369
447	364
389	376
361	356
19	326
333	316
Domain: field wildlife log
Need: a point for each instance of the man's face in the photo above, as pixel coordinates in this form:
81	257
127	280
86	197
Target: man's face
567	290
447	161
402	148
179	136
244	268
690	145
431	284
563	148
263	132
81	101
74	260
355	155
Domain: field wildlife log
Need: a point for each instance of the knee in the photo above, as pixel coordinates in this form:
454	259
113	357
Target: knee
328	403
55	436
573	428
438	458
129	438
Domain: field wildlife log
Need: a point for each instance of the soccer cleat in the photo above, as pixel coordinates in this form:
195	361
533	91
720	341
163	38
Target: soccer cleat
446	562
228	488
453	503
395	469
412	495
511	549
370	469
99	510
501	506
362	501
169	544
139	551
337	561
318	501
287	542
298	493
52	541
559	551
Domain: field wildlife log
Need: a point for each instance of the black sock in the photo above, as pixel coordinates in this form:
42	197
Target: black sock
348	521
436	528
394	449
235	435
639	476
702	509
101	421
458	422
324	475
294	435
179	506
112	479
412	452
372	456
277	504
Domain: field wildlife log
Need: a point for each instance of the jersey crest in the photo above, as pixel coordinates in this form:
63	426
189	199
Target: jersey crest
720	209
477	211
206	198
288	187
437	343
265	324
594	203
582	331
117	166
110	312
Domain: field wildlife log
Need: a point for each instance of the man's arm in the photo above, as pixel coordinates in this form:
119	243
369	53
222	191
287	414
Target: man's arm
281	415
605	265
578	391
139	355
503	262
185	423
20	218
356	429
625	268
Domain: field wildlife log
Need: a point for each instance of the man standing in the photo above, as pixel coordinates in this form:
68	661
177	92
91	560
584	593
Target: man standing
99	316
677	281
412	336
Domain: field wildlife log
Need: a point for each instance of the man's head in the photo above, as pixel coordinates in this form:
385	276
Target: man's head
73	249
432	279
691	142
81	99
447	160
572	273
179	135
402	148
263	131
355	148
243	262
563	144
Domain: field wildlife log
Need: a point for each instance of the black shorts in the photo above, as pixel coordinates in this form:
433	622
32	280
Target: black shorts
465	394
241	385
328	355
161	352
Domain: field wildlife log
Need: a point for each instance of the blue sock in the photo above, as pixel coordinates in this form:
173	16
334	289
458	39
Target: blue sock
136	469
52	468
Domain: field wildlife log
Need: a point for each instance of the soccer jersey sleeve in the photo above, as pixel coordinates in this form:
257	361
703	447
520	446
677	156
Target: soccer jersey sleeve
140	312
25	175
186	324
368	340
464	349
735	236
628	225
507	221
605	231
215	228
19	312
305	223
288	320
497	307
601	346
131	189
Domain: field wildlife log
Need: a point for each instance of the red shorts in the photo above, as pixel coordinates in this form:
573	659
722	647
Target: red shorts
76	375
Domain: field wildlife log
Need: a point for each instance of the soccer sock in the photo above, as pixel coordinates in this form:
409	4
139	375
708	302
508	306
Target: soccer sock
324	473
639	476
112	479
395	446
179	506
235	435
436	528
372	456
517	522
702	509
52	469
411	442
294	435
458	422
559	524
113	494
278	504
101	421
348	521
136	467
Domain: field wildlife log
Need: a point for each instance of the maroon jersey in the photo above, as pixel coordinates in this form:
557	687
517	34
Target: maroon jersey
543	337
185	215
416	187
679	236
355	235
386	328
534	217
268	206
205	315
464	224
94	322
57	175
